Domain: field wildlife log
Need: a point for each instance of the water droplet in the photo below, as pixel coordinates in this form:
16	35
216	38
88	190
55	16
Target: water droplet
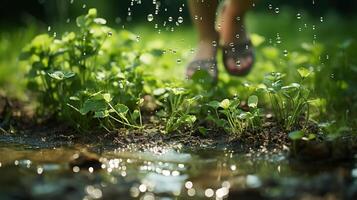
84	6
238	63
298	16
170	19
150	17
110	33
178	61
285	52
214	43
49	28
277	10
270	6
238	18
180	19
321	19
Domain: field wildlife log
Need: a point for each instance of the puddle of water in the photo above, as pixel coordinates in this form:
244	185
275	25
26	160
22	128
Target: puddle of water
154	174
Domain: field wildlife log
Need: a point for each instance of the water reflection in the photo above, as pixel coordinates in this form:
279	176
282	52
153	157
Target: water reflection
149	174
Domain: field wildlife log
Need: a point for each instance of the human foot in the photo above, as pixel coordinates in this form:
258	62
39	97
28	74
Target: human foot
205	59
238	54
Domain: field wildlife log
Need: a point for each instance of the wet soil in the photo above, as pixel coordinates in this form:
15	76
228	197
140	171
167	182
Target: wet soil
49	160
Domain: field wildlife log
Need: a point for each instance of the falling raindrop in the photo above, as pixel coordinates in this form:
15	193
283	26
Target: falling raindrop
298	16
238	63
285	52
214	43
49	28
170	19
270	6
277	10
180	19
84	6
150	17
321	19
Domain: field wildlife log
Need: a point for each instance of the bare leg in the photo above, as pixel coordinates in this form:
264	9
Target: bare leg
232	22
203	13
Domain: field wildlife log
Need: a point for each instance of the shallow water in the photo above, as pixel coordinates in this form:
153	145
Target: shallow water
42	172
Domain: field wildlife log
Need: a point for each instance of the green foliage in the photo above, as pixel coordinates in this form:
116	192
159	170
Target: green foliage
178	108
94	77
289	102
230	117
88	77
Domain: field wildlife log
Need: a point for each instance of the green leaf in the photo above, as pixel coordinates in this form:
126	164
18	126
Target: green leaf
59	75
92	13
296	135
214	104
253	101
107	97
121	108
202	130
101	114
81	21
94	105
190	119
135	115
311	136
303	72
74	98
100	21
225	104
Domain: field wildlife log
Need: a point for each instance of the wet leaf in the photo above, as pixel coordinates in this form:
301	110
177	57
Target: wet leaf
101	114
107	97
253	101
135	115
225	104
94	105
81	21
59	75
303	72
121	108
214	104
296	135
